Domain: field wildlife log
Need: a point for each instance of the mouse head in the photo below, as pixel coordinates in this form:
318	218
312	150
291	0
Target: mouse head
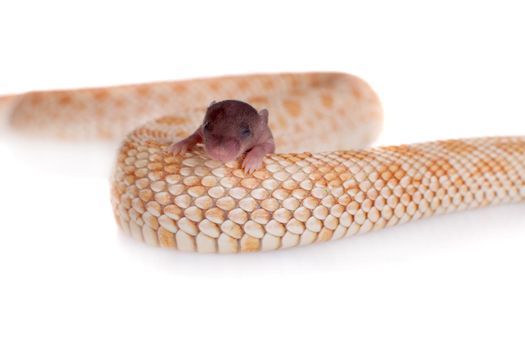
230	128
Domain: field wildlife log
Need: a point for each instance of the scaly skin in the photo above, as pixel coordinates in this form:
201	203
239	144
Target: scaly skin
193	203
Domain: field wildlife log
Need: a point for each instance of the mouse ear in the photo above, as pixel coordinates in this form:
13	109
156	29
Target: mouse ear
264	114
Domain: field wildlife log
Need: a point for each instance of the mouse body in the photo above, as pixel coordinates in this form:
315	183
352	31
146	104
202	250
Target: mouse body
230	129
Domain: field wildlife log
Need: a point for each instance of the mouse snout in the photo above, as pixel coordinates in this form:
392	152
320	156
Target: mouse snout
223	150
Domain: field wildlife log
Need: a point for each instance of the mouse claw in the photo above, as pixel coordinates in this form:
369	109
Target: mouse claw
180	147
251	164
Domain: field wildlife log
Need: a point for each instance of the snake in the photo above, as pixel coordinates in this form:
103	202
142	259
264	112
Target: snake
325	181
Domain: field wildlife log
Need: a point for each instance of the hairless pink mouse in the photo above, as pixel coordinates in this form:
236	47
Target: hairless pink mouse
230	129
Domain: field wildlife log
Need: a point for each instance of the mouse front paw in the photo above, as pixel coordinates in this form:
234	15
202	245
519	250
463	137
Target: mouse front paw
180	147
251	163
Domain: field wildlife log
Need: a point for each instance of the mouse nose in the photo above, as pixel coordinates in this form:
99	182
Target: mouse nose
225	151
222	154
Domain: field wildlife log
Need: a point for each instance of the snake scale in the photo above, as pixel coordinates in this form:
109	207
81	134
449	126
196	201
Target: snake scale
323	184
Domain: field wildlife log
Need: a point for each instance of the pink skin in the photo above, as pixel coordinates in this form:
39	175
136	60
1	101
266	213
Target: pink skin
186	144
254	157
224	145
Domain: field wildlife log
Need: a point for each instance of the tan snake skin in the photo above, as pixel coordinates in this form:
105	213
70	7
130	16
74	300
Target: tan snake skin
317	193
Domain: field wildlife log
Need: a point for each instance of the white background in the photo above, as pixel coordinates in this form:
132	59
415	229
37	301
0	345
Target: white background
69	280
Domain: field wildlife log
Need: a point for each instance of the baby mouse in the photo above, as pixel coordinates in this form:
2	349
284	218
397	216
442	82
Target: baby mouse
230	129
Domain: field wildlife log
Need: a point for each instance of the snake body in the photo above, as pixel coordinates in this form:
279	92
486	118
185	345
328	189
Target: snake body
323	184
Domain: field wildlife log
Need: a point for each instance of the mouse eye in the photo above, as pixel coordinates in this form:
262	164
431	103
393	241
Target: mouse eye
207	127
245	132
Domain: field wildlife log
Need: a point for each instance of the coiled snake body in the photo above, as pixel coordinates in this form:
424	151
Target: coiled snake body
321	185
